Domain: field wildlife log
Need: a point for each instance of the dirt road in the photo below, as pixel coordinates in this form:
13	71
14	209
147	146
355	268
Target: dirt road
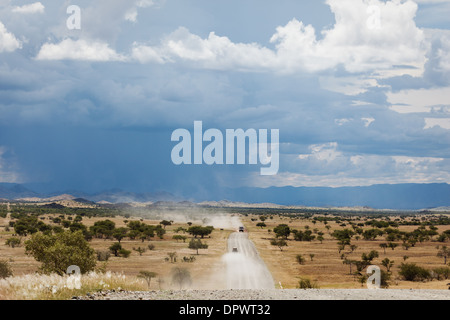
244	268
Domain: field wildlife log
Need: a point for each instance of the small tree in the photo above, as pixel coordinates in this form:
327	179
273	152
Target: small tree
261	224
172	256
179	237
370	256
280	243
140	250
181	276
392	245
147	276
5	269
196	244
406	245
165	223
180	229
387	263
13	242
311	255
282	230
160	232
444	252
349	263
115	248
320	238
120	233
300	259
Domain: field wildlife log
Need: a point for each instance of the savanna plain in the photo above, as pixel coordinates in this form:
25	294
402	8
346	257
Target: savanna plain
168	249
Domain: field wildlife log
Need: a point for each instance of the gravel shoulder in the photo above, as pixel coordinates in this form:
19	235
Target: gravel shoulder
274	294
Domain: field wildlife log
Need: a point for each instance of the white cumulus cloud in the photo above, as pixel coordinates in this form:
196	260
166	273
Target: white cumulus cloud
352	42
36	7
8	41
85	50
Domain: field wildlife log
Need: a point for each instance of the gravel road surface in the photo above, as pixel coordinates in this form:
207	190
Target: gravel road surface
274	294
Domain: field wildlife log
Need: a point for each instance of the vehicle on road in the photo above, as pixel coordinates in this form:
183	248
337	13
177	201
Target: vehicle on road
241	229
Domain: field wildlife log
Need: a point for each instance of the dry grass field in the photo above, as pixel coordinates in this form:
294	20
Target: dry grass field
326	267
203	270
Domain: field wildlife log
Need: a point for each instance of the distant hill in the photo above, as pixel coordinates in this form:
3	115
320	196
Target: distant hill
383	196
53	205
12	191
15	191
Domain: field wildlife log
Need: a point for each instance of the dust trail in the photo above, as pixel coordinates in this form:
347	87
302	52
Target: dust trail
244	268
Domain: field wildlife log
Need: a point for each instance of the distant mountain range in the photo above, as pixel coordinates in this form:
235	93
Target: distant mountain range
383	196
12	191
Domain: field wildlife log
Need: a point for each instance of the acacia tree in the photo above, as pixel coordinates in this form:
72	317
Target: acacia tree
197	244
147	276
261	224
179	237
165	223
280	243
282	230
387	263
369	257
200	231
349	263
103	228
120	233
320	238
392	245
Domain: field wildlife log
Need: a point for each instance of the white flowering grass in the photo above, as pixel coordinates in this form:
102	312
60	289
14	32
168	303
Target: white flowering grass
55	287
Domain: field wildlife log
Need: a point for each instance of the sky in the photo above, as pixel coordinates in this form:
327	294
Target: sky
358	89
